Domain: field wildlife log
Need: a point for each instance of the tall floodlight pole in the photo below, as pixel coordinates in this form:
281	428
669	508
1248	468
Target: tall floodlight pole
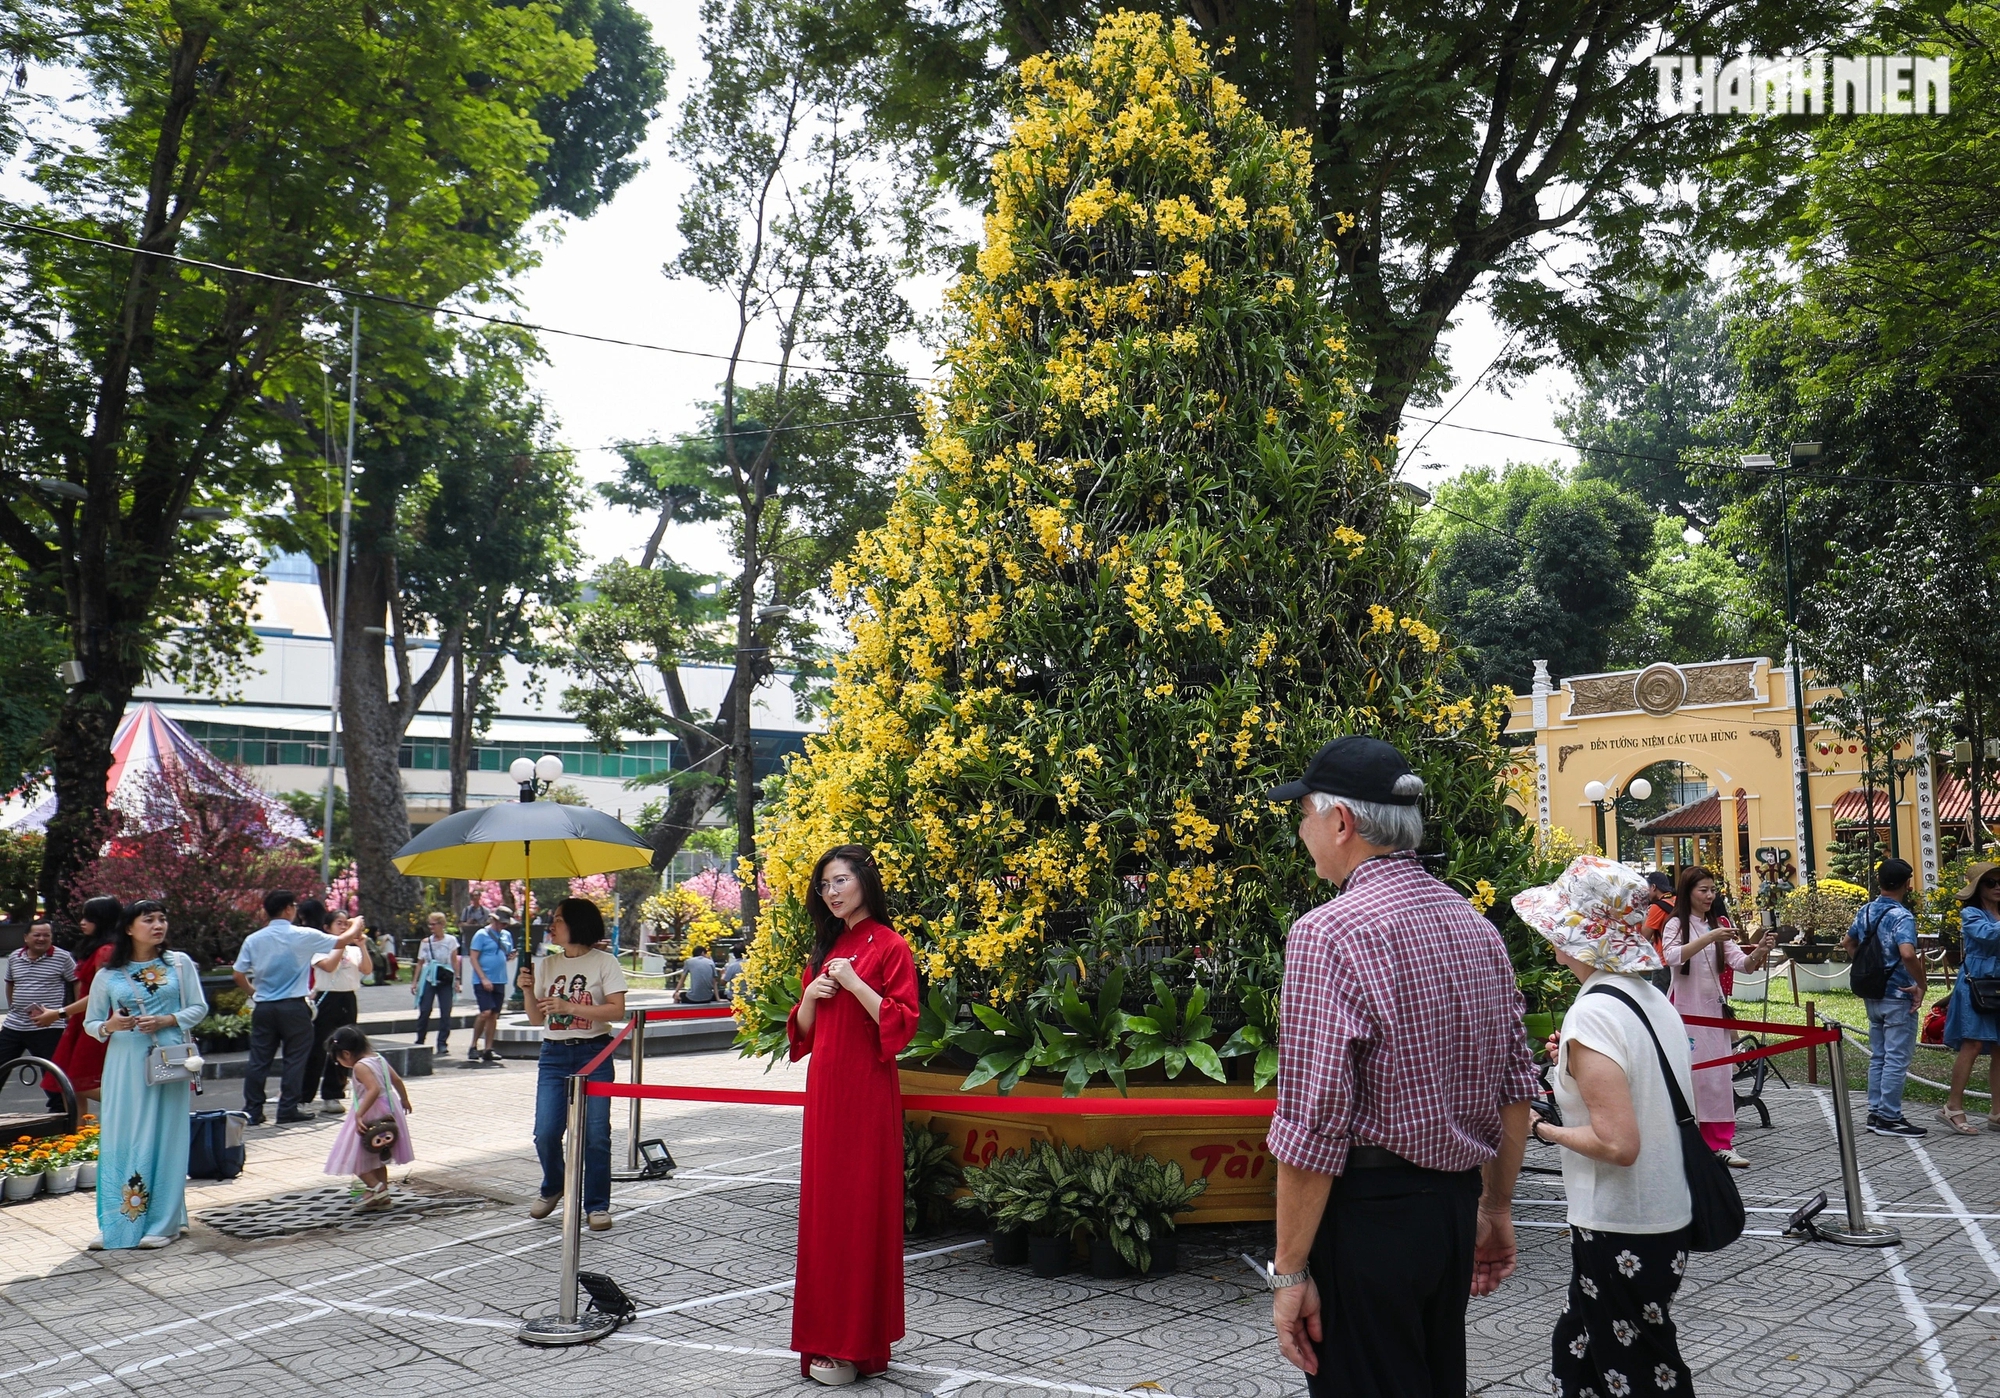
1800	451
340	600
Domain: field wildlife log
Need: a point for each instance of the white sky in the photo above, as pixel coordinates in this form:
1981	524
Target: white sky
604	277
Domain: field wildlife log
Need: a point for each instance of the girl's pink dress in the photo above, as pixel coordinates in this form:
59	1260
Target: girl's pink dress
349	1156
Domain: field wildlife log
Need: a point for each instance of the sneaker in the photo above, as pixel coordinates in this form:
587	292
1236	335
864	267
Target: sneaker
1732	1160
600	1221
472	1054
155	1240
331	1107
544	1206
256	1119
491	1057
294	1119
1897	1126
1873	1121
96	1243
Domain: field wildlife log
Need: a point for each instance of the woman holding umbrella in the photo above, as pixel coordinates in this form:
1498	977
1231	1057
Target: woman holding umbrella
574	997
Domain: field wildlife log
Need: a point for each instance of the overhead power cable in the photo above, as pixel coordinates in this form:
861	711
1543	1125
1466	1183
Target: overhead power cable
334	289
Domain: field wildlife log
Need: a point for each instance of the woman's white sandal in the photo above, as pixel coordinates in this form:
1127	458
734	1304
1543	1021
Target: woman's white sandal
832	1372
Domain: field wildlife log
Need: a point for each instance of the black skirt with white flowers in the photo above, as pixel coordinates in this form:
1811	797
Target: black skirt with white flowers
1615	1338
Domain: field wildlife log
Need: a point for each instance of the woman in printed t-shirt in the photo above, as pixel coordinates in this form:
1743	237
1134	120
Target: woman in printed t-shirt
1621	1152
574	997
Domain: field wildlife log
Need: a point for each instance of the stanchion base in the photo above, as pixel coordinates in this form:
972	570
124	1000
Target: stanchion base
551	1330
1869	1235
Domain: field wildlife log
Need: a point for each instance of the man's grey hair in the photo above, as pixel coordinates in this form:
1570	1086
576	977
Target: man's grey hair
1378	822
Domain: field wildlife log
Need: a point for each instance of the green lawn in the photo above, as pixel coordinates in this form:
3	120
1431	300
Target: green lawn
1850	1010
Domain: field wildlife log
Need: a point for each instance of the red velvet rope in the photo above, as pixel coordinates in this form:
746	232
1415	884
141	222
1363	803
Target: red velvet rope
962	1102
1798	1036
640	1016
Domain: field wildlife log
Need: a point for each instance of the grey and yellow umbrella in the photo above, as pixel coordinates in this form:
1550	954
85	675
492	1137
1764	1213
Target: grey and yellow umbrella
524	840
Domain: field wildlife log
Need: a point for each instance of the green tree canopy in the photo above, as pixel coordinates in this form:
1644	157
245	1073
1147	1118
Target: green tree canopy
1461	149
1533	566
1145	564
309	139
1646	418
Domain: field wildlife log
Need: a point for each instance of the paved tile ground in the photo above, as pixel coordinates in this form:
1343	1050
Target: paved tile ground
428	1305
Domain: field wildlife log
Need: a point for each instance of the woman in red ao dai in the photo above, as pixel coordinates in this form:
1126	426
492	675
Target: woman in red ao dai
857	1013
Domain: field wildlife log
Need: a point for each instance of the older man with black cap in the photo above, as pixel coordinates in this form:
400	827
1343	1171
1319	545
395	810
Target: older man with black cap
1403	1086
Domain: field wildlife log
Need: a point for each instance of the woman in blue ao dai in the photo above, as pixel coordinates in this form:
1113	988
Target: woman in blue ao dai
145	996
1967	1031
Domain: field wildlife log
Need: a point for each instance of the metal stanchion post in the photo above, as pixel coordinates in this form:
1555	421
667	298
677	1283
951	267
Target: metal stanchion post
632	1170
566	1328
1858	1231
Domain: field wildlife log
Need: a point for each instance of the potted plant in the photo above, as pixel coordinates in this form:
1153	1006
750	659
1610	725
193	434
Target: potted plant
86	1154
991	1187
1048	1201
930	1177
59	1177
22	1168
1110	1215
1160	1191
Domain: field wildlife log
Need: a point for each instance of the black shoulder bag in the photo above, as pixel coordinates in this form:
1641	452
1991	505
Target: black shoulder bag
1868	975
1717	1218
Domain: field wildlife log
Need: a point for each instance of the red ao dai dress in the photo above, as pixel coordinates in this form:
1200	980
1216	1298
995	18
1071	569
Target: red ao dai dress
848	1300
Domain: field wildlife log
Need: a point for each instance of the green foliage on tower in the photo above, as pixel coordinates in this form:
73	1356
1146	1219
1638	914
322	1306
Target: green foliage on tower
1142	568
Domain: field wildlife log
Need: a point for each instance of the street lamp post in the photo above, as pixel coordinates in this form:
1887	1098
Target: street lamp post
1601	796
1800	451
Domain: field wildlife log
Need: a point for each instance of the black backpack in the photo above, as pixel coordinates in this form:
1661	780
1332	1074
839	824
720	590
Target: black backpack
1868	974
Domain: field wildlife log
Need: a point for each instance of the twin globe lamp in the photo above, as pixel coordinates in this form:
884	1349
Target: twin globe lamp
1597	792
547	768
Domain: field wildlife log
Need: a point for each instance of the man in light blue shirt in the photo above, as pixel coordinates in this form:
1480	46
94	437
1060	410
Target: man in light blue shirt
490	946
274	968
1886	930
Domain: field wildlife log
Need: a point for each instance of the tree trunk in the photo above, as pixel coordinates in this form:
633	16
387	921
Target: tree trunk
81	759
744	749
372	733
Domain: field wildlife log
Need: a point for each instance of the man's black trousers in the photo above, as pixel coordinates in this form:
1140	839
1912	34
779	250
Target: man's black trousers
337	1008
286	1023
1393	1263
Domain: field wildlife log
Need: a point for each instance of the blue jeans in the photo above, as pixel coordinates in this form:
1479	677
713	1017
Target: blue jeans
560	1059
441	994
1892	1035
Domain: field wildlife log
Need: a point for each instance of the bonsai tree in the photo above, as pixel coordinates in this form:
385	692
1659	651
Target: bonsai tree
1144	565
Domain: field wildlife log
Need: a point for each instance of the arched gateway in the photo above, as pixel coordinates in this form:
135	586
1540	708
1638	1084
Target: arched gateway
1733	722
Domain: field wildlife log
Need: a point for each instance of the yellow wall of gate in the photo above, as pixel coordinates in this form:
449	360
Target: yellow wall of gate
1734	721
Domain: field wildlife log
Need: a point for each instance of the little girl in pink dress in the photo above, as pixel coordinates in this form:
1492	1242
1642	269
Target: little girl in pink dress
372	1101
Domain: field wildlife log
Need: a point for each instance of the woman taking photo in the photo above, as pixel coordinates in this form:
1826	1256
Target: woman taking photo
1621	1154
79	1055
1968	1031
858	1011
1698	942
145	997
575	997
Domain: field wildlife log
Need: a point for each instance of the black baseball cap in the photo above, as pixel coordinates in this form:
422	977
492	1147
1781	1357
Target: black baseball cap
1365	769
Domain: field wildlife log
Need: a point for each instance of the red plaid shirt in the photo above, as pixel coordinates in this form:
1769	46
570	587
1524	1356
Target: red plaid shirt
1400	1026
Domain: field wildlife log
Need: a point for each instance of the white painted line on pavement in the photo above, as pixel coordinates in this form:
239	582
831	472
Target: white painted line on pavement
1920	1320
1981	1244
700	1302
124	1371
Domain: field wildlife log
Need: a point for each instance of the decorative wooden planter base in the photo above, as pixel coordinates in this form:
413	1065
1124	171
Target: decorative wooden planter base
1228	1152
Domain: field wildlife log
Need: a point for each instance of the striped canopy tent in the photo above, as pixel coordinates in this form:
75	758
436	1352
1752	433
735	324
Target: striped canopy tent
1692	834
148	742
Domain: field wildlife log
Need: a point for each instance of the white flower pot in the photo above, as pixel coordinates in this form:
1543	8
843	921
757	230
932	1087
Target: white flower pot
1823	977
61	1180
86	1174
22	1187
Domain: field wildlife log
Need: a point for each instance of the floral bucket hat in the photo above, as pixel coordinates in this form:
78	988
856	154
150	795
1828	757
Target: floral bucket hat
1596	912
